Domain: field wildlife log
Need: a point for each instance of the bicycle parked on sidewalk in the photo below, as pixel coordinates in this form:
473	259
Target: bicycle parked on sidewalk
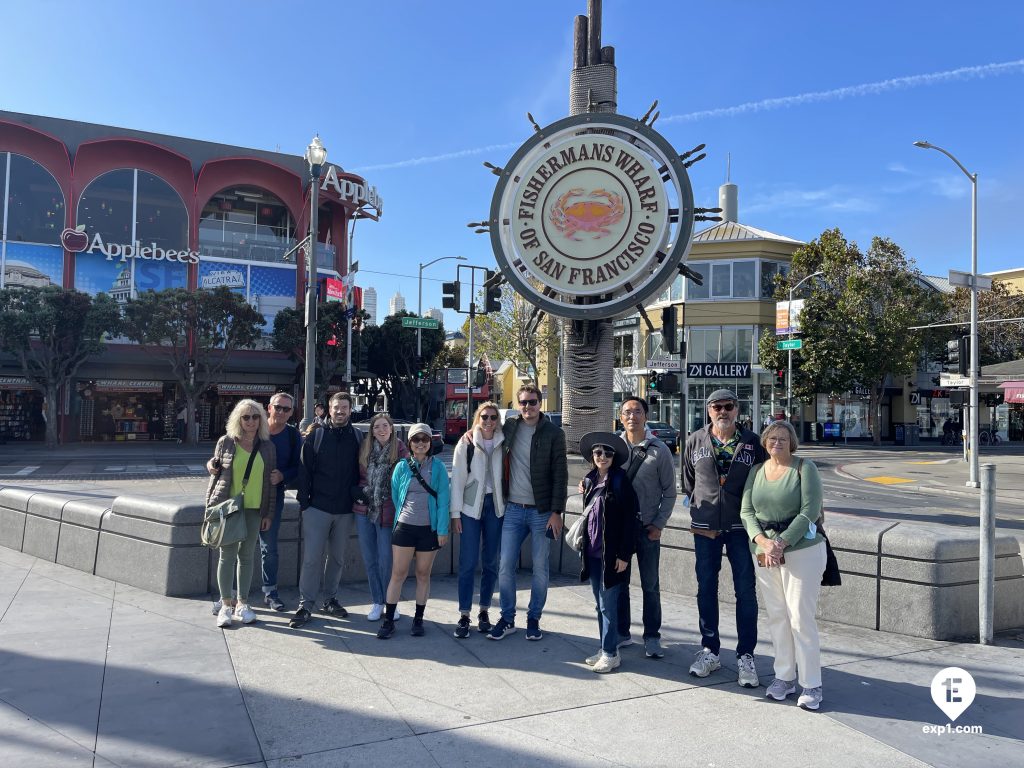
989	437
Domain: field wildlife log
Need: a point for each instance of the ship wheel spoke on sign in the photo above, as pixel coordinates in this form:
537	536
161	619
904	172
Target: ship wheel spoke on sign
592	215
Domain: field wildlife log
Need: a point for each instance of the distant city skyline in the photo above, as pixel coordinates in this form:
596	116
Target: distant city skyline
370	305
397	304
435	313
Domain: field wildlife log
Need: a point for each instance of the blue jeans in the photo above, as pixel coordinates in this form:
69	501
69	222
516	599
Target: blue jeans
375	544
268	545
607	606
708	566
489	528
520	522
648	562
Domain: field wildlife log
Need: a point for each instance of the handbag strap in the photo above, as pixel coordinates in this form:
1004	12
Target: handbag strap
252	459
416	473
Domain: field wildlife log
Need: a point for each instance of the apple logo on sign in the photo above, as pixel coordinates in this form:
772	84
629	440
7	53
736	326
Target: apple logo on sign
75	240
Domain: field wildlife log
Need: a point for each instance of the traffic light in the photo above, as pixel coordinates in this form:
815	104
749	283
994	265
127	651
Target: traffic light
963	356
668	329
652	381
492	302
451	291
669	383
780	378
421	372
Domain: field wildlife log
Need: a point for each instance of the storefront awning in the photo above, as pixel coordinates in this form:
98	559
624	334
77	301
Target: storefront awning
1013	391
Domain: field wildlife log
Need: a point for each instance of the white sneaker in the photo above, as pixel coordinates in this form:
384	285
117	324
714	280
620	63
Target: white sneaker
705	663
244	613
810	698
375	612
592	660
224	616
606	663
747	672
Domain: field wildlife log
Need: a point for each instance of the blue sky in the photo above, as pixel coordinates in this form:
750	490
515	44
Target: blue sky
818	104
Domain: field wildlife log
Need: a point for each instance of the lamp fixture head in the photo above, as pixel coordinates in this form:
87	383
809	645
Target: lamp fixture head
923	144
316	154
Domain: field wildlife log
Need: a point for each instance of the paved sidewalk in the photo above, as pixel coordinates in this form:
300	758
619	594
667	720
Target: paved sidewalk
97	673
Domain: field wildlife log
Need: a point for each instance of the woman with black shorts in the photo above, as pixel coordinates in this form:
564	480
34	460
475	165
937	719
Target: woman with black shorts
419	489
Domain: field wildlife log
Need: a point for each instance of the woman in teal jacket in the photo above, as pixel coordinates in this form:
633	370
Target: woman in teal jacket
419	489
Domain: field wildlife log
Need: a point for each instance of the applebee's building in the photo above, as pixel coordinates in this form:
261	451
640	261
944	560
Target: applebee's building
97	208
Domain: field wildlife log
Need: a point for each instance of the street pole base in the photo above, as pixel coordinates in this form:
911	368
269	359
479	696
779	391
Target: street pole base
973	484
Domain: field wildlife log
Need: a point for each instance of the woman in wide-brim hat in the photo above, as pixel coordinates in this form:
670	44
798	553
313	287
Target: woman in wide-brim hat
609	536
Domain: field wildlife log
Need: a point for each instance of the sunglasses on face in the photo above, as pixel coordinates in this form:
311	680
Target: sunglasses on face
250	416
531	402
488	417
603	453
723	406
419	439
282	408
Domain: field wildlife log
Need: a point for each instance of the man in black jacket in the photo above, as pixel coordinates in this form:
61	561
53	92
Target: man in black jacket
716	463
330	470
535	478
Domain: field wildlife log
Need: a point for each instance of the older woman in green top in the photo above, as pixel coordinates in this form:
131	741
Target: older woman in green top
247	434
780	511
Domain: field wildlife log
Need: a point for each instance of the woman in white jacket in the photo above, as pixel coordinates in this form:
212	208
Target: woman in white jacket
477	508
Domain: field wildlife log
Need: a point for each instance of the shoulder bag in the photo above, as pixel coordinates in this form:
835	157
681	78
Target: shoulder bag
831	576
224	523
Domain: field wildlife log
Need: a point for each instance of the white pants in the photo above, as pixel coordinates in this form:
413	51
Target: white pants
790	595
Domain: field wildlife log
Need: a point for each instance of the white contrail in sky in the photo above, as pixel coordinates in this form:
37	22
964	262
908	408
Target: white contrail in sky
850	91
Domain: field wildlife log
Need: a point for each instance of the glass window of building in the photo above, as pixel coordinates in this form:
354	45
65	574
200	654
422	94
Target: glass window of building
769	270
744	279
248	224
677	289
694	291
106	206
721	280
160	214
654	345
745	350
34	203
623	346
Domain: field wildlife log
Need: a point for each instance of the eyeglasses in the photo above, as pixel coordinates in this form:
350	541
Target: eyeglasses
488	417
419	439
778	439
632	414
531	402
604	453
722	406
282	408
250	416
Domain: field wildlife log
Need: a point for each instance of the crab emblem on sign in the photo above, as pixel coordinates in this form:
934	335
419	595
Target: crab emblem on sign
594	215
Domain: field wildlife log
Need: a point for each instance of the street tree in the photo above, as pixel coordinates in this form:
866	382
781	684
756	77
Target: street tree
391	359
856	319
194	333
510	333
999	342
331	340
52	332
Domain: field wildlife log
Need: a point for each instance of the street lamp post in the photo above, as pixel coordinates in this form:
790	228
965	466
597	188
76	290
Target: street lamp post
316	156
973	414
419	305
789	376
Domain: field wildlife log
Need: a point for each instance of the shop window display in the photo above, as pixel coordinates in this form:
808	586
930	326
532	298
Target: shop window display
21	416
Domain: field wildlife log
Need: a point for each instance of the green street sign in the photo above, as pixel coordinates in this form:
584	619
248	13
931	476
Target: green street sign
789	344
420	322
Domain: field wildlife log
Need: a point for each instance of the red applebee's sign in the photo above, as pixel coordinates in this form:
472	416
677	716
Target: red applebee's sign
77	241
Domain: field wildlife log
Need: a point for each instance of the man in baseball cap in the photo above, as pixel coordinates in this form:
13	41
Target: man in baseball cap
716	463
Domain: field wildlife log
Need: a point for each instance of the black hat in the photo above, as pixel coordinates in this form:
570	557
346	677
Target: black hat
721	394
610	439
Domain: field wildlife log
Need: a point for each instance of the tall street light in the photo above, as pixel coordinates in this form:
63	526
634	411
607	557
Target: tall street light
789	377
419	306
973	414
316	156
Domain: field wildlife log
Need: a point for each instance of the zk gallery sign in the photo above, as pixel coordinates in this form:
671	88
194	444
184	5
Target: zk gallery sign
591	216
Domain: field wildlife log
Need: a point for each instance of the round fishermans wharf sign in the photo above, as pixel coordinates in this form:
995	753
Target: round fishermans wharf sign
591	216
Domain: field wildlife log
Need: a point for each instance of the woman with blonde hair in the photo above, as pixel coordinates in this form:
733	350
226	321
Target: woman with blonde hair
781	510
477	509
374	508
242	462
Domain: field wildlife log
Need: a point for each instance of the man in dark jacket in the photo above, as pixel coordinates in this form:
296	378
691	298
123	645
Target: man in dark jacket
534	480
287	442
330	469
716	463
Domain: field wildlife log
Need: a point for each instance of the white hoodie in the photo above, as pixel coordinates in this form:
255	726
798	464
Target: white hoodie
469	483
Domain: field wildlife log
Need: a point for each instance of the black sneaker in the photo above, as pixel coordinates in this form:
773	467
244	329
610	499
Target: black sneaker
301	617
333	608
387	629
273	602
417	628
533	629
501	629
462	628
483	621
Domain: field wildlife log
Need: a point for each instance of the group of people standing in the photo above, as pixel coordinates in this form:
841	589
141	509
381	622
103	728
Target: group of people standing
749	500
